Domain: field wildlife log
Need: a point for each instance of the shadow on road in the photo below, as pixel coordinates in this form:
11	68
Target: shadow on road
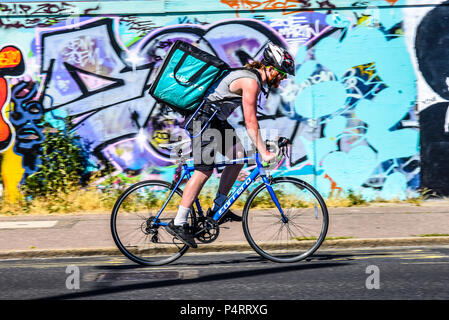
345	257
209	262
202	279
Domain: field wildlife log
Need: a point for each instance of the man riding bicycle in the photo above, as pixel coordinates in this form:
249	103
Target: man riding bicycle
238	88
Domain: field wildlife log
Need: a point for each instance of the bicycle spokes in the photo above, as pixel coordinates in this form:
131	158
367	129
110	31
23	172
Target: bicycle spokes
292	235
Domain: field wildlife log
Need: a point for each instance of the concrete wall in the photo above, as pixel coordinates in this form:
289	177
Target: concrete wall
366	112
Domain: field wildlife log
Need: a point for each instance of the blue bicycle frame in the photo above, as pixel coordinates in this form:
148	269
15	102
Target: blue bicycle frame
259	170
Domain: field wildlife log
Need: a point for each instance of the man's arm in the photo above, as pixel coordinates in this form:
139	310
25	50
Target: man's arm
250	92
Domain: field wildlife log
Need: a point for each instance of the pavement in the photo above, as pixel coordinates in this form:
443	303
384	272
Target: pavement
88	234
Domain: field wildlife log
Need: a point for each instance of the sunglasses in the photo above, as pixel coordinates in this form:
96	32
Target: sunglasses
282	73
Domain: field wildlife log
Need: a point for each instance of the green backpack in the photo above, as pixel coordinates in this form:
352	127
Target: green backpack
185	77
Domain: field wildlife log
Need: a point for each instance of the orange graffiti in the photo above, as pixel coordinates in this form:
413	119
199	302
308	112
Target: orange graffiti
10	57
5	131
334	186
11	64
284	5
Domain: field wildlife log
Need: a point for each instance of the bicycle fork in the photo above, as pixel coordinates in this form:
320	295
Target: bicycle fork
273	197
267	182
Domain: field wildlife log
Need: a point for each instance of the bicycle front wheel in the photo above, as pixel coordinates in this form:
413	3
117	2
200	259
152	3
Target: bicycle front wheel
136	231
294	236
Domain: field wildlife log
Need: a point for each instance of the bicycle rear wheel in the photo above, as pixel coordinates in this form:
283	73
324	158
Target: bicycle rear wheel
285	240
136	232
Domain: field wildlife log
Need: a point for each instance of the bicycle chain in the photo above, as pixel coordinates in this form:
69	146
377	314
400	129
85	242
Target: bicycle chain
207	230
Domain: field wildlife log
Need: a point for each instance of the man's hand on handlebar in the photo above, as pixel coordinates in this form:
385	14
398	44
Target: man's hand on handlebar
275	151
269	157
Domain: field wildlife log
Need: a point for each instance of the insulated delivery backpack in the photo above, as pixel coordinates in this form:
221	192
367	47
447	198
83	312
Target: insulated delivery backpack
185	77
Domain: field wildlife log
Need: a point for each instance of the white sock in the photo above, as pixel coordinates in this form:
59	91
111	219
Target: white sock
181	217
219	200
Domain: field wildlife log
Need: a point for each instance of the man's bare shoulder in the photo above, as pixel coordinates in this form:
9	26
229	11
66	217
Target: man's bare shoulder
244	84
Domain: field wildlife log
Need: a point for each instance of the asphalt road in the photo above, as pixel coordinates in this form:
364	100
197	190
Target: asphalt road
419	273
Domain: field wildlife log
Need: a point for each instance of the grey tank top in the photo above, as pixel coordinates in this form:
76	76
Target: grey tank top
222	91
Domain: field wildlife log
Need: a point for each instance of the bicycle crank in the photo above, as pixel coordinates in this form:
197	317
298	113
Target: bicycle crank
207	230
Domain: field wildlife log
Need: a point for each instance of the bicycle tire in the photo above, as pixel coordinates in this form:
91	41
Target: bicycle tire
283	245
136	218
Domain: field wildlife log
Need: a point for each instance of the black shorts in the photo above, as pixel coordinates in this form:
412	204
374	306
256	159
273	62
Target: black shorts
219	136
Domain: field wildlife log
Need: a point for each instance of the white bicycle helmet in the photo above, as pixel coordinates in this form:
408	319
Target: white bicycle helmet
279	58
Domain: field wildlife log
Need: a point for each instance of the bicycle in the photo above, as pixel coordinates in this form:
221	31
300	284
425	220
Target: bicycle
288	229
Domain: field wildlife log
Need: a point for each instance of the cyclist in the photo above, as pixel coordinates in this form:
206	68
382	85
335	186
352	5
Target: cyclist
238	88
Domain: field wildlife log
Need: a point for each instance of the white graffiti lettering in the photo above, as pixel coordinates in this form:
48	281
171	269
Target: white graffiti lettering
183	79
297	28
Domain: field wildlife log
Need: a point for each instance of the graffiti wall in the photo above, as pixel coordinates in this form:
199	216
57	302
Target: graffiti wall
431	53
366	71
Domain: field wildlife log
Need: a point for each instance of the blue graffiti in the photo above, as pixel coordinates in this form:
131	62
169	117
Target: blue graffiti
26	118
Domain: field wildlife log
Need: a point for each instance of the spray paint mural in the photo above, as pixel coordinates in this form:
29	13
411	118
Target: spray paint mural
11	64
350	111
432	52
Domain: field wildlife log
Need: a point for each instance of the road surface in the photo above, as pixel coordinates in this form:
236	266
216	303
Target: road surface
387	273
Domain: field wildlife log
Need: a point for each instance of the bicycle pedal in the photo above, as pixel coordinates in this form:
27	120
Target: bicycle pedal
209	213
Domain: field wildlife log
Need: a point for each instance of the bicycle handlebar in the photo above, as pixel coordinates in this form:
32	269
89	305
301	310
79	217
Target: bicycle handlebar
279	147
